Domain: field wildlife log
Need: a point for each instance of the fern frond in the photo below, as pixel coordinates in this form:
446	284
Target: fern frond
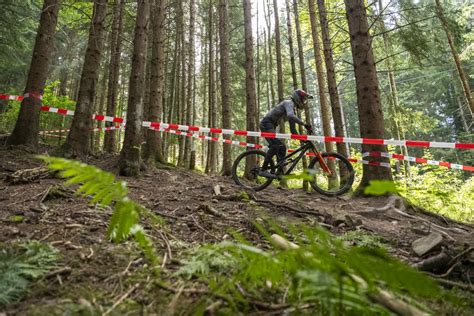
20	265
103	188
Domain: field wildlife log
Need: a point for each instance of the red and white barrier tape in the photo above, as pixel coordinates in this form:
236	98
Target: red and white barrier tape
244	144
20	98
100	129
418	160
158	125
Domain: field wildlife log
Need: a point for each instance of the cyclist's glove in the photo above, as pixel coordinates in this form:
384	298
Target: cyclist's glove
308	127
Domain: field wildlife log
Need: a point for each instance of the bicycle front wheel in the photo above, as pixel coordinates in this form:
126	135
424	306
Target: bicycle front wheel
246	168
340	179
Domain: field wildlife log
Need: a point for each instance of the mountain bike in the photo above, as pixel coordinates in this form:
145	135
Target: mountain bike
328	173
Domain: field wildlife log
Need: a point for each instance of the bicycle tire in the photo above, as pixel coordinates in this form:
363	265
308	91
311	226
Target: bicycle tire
348	183
236	167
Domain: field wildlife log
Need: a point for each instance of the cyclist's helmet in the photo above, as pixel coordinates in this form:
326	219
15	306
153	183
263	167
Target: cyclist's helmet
300	97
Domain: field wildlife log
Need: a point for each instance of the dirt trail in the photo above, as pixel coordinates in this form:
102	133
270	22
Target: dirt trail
98	271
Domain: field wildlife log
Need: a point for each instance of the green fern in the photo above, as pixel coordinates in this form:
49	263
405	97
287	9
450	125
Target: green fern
321	273
103	188
22	264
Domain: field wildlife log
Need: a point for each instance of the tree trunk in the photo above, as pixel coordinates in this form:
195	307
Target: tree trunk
181	114
225	89
368	94
192	162
302	76
27	125
99	124
114	73
249	81
212	146
172	94
331	78
78	139
464	121
153	149
189	142
290	44
270	55
397	117
457	61
204	93
129	163
278	53
323	103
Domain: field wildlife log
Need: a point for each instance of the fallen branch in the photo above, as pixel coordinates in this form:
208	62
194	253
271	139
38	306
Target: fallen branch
62	271
29	175
121	299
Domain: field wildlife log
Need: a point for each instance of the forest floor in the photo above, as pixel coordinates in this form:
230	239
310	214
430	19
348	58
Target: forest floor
95	276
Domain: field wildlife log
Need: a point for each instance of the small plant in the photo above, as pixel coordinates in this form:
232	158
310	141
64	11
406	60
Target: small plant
104	189
21	264
362	239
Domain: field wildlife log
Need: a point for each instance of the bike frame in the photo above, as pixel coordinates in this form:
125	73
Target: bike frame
309	145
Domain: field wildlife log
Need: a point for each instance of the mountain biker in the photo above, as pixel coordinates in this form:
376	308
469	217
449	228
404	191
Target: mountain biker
286	111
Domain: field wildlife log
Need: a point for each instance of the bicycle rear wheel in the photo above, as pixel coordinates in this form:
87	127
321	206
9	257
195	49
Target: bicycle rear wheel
246	168
341	179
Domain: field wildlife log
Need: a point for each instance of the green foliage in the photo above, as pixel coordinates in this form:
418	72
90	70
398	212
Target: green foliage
21	264
16	218
49	121
320	272
440	190
377	187
362	239
103	188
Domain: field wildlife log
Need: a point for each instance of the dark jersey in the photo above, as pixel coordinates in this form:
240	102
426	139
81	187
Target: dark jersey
286	111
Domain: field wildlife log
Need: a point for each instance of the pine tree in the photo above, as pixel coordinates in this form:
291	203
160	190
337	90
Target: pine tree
331	78
251	106
368	94
225	89
323	103
130	158
114	73
153	149
27	125
78	139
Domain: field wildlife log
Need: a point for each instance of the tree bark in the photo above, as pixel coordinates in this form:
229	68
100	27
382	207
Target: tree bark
270	55
323	103
96	135
114	73
183	83
27	125
189	142
153	149
130	158
291	48
78	140
457	60
212	146
225	89
397	118
278	53
331	78
302	76
250	99
368	94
